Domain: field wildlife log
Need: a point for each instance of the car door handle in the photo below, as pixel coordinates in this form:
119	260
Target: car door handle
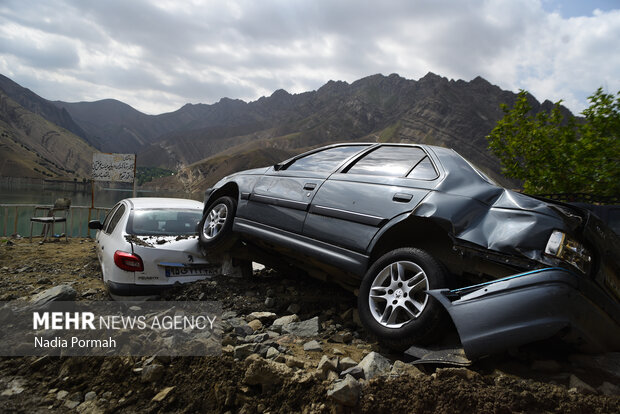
309	186
402	197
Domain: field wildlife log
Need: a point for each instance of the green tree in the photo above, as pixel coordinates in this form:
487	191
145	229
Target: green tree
551	153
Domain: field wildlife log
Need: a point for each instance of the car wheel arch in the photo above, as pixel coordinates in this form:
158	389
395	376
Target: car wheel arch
409	231
230	189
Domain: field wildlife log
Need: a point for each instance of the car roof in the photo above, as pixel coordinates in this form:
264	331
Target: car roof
141	203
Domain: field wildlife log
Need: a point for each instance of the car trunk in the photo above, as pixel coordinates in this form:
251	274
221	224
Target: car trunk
171	259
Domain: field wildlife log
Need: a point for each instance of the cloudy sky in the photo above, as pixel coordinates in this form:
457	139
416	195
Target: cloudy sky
157	55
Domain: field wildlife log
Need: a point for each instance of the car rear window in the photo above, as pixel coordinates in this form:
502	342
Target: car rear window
160	222
326	160
396	161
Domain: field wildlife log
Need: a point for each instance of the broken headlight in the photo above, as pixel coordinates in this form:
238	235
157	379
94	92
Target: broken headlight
569	250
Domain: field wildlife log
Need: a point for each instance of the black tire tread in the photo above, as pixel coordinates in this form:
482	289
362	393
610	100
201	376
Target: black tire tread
226	238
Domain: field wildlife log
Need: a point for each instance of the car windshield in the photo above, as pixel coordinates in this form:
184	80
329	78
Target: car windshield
158	222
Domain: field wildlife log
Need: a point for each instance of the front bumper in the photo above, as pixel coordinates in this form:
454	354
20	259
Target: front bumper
533	306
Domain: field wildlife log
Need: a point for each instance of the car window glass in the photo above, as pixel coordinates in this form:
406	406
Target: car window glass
388	161
424	170
170	222
326	160
115	218
109	216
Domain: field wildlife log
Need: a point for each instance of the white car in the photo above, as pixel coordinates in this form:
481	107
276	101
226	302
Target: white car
145	244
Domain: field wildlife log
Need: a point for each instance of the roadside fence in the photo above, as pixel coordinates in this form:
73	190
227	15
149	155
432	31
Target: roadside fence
15	220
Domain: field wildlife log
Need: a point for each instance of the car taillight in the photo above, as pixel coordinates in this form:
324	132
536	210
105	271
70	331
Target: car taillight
128	261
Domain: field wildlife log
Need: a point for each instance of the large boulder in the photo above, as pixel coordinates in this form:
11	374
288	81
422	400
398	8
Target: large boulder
346	392
284	320
374	364
306	328
265	372
64	293
327	365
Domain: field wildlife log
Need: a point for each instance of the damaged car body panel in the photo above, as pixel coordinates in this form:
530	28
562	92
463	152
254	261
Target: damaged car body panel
530	307
479	212
172	259
356	213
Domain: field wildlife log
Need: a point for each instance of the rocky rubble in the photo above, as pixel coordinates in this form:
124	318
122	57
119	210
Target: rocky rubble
305	352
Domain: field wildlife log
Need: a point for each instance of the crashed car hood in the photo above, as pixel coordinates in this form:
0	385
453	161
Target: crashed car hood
495	219
485	217
515	224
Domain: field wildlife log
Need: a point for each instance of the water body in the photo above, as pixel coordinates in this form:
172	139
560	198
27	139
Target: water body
13	197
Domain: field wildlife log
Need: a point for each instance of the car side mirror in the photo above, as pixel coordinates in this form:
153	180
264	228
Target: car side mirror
95	225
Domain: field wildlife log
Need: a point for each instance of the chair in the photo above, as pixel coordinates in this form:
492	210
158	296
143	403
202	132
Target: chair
57	214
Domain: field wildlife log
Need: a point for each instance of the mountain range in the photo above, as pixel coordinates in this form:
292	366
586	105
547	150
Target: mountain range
206	142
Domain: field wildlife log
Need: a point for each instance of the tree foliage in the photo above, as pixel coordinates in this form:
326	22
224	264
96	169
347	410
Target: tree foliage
146	174
551	153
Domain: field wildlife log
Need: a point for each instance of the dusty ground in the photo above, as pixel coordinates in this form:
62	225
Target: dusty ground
28	268
541	378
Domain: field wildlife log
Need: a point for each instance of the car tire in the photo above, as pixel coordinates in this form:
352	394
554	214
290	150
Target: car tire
215	227
392	301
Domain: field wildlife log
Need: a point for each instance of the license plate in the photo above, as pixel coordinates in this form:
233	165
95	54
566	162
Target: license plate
192	271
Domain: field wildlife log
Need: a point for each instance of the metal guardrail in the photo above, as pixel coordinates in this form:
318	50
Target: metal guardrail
15	219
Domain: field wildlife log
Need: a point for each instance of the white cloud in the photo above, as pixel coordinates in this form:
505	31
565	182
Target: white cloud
157	56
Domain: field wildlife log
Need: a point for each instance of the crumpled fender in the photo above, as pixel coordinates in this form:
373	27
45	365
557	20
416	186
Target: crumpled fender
507	222
527	307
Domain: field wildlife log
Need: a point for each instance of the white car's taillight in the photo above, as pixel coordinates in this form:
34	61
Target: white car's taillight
568	250
128	261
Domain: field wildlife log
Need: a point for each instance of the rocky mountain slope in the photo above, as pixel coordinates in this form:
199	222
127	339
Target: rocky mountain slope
433	110
44	108
31	146
116	126
205	142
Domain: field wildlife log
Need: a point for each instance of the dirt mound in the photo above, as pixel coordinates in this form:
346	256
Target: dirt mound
457	391
278	367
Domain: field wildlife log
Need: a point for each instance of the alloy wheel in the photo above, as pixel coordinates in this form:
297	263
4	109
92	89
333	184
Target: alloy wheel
215	221
398	294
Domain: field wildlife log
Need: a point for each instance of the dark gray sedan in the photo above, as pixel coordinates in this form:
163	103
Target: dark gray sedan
422	236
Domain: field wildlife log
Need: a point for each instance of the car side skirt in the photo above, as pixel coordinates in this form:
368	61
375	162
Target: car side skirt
344	259
528	307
